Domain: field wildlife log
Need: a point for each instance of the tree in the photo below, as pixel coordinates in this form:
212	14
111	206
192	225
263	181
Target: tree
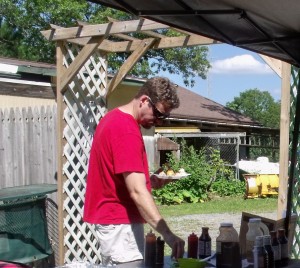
23	20
258	105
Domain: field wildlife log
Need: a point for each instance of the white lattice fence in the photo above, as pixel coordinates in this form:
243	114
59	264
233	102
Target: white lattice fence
85	102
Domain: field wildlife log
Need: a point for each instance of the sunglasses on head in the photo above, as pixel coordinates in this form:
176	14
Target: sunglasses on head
157	113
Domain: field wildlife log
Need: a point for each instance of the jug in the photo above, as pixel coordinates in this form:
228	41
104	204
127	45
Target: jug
255	228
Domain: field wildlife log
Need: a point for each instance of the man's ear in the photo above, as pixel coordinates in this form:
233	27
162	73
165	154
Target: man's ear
144	98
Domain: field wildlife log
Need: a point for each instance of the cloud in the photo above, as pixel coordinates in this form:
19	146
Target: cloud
243	64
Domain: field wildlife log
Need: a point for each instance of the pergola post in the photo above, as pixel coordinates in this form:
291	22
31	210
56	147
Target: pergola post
284	139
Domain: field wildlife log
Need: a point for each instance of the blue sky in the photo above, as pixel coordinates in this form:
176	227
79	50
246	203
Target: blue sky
233	71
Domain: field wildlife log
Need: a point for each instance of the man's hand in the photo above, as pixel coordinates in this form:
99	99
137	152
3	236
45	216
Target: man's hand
177	245
157	183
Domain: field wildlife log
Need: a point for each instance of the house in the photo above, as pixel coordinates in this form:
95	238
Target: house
198	119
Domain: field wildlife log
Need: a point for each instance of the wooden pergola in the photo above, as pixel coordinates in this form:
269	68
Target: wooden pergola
82	92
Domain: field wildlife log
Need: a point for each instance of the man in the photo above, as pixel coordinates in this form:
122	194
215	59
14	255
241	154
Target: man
118	196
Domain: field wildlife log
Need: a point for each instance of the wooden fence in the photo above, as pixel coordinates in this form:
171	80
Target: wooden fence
28	146
28	155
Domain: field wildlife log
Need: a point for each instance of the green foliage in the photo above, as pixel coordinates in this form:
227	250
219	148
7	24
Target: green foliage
207	173
22	21
258	105
261	107
228	188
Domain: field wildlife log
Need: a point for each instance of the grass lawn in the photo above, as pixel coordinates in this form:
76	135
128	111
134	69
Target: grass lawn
222	204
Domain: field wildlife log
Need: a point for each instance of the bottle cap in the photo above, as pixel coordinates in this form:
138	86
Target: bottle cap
193	235
255	220
267	239
259	240
226	224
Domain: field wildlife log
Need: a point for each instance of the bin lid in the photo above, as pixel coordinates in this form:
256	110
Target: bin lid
19	192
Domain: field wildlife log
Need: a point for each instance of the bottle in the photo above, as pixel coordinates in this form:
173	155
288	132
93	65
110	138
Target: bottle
255	228
276	248
159	257
284	247
204	245
269	253
258	252
150	249
192	246
228	247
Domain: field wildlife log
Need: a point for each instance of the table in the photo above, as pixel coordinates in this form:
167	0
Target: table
168	263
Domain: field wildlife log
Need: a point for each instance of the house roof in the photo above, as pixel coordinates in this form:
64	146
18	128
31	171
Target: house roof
196	107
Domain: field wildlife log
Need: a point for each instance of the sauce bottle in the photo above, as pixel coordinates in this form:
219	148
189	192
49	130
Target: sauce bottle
284	247
204	245
192	246
150	249
228	247
269	253
276	248
258	252
159	257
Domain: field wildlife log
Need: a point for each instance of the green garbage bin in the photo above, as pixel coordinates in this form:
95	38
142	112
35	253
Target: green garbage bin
23	224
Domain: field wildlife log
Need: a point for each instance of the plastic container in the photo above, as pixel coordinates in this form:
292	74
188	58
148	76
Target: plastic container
255	228
228	248
191	263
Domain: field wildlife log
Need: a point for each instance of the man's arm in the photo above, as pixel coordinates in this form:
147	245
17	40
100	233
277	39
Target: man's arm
136	185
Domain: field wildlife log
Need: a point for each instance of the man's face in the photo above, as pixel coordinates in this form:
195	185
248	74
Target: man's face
154	114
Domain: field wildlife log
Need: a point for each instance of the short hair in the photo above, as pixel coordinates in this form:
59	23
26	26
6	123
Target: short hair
160	89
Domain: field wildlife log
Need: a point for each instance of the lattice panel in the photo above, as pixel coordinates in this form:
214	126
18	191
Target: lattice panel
296	189
85	101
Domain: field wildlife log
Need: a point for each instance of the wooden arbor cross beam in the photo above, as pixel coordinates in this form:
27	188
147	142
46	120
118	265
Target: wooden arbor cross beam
96	37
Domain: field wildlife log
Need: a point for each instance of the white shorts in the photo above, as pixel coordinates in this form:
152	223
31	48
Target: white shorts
120	243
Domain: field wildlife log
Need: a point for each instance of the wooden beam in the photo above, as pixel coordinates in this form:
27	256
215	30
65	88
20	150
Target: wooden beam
129	63
60	157
154	34
284	140
274	64
121	36
131	45
79	61
167	42
102	29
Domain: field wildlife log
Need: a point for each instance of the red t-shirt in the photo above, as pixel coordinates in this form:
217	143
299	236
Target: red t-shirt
117	147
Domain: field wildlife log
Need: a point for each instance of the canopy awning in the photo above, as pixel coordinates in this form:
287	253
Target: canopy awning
267	27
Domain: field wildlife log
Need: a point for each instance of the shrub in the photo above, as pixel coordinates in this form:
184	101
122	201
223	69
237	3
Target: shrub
208	173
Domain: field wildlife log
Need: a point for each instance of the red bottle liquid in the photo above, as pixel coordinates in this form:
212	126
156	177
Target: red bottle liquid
192	246
150	249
